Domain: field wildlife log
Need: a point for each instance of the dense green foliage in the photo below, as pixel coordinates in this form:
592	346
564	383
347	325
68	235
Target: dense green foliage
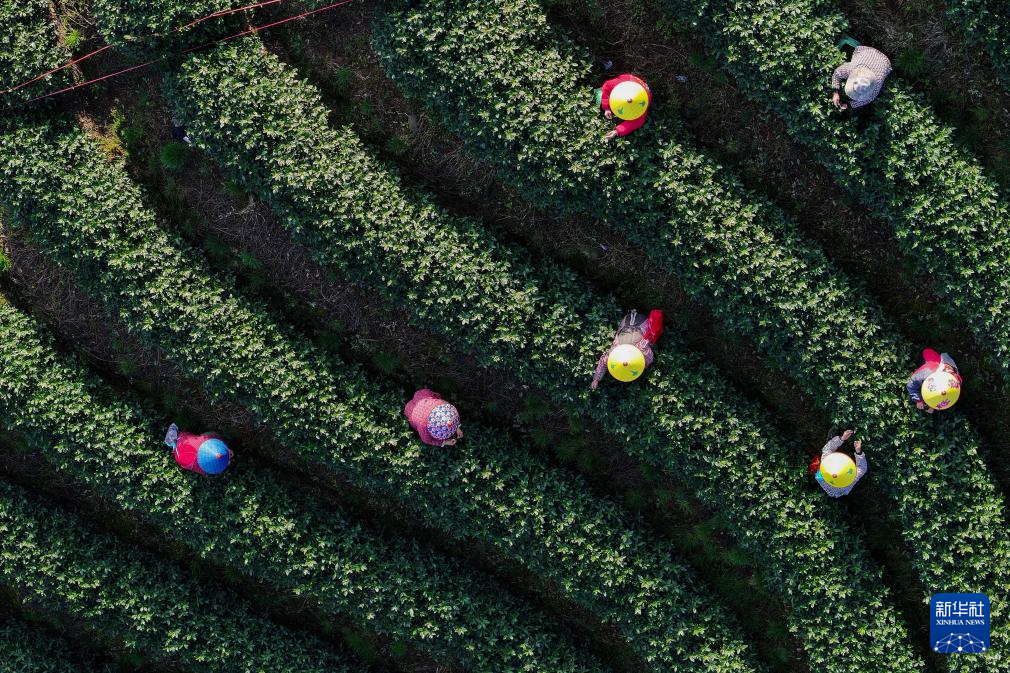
126	19
28	48
56	564
986	22
246	521
251	523
730	247
947	215
26	650
147	29
85	212
269	129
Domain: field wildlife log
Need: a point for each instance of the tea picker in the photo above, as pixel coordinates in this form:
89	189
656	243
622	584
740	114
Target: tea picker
626	97
436	421
936	385
862	78
204	454
179	132
835	471
630	353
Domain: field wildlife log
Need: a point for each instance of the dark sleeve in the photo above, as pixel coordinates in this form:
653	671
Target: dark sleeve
914	388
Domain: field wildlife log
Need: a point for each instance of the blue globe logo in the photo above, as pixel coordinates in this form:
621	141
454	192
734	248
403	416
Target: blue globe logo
960	642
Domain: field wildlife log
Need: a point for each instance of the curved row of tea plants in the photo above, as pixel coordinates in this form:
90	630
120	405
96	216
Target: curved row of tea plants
730	247
28	48
83	210
247	522
986	22
54	563
947	214
251	523
146	29
24	649
269	129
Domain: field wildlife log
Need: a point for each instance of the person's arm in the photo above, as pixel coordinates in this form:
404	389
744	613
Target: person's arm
601	369
861	465
605	90
627	126
914	387
840	74
833	445
646	347
172	436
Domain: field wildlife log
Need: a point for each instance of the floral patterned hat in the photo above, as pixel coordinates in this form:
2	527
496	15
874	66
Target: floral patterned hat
443	422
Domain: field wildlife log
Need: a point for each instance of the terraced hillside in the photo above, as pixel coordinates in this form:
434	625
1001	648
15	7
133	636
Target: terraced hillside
276	221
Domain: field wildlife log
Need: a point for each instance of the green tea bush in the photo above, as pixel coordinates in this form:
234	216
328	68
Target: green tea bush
84	211
146	29
947	215
28	48
269	130
985	22
249	522
730	247
24	649
54	563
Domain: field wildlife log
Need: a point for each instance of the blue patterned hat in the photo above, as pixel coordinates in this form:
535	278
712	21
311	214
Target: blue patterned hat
443	422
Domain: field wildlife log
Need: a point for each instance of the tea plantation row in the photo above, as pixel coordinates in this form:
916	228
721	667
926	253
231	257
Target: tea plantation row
538	322
731	249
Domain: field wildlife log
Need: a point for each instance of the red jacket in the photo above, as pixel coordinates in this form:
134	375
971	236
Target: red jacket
188	446
626	126
933	361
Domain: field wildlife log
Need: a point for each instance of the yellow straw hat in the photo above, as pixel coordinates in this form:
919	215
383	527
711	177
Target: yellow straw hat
941	389
838	470
626	363
629	100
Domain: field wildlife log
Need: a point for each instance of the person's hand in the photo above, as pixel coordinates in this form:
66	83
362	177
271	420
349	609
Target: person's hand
920	404
610	136
846	435
930	410
836	98
858	444
594	385
609	114
459	433
449	442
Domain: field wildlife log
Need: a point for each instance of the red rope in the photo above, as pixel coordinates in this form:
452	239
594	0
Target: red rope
62	67
256	29
223	12
191	49
90	82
